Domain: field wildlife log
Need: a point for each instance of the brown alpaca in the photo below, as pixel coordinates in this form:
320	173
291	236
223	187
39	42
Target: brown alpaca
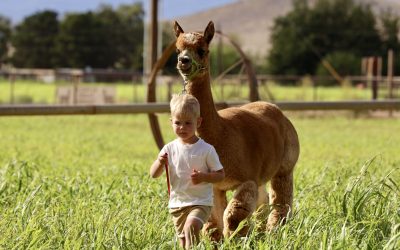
256	143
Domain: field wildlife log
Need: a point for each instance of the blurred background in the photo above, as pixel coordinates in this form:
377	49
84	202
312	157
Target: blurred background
95	52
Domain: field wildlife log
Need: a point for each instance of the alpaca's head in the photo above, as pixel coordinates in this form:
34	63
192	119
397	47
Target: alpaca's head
192	49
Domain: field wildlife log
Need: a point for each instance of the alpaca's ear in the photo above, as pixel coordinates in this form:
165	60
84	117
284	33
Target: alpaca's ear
209	32
177	28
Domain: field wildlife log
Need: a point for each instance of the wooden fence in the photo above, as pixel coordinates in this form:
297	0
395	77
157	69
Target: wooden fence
149	108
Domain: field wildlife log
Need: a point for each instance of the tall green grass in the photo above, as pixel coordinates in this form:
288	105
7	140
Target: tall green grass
81	182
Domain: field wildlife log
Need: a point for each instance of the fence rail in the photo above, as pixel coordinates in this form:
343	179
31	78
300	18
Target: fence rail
148	108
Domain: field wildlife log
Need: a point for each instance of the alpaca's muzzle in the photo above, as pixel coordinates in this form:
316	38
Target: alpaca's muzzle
184	64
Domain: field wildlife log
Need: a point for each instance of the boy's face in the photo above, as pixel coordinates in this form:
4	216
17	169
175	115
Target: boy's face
185	127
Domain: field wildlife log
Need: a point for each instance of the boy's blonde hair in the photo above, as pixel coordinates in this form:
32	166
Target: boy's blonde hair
185	105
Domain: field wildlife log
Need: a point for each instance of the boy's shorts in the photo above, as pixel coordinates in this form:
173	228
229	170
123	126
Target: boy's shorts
180	215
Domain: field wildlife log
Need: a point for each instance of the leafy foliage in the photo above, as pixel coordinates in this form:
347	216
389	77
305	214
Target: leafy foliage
35	41
390	23
124	29
345	63
310	32
227	55
83	43
106	38
390	30
168	37
5	33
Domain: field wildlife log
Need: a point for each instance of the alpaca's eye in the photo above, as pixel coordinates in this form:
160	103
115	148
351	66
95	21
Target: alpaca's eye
201	52
177	51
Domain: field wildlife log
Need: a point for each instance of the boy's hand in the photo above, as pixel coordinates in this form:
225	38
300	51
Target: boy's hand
197	177
163	159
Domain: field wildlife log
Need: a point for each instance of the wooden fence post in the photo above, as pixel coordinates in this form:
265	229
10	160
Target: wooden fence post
76	78
169	90
374	73
390	74
134	90
12	87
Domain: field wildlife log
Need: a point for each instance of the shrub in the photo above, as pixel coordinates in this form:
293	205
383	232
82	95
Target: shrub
344	63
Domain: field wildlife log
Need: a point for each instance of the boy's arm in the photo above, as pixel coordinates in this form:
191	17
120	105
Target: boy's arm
211	177
157	167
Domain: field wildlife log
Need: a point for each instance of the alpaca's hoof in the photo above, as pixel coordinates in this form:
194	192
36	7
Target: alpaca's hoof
211	230
275	219
215	235
232	218
272	224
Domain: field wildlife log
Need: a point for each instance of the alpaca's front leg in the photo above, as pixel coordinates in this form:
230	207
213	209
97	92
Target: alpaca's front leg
240	207
214	226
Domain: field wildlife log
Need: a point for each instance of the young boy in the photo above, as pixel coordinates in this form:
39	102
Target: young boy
193	166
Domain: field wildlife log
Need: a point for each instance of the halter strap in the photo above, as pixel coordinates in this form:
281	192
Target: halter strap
186	78
185	82
199	68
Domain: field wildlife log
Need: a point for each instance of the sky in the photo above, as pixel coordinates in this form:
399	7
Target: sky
16	10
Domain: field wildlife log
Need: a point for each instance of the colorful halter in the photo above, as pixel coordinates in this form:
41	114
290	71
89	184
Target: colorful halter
196	69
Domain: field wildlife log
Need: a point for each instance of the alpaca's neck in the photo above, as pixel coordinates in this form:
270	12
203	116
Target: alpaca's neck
200	88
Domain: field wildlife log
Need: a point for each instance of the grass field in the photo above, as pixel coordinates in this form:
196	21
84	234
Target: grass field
82	182
35	92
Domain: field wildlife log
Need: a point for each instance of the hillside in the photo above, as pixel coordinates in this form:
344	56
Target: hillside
250	21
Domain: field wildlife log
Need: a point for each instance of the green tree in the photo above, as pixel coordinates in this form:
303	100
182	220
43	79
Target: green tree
106	38
111	30
124	29
5	33
228	56
390	37
310	32
34	41
390	30
82	42
345	64
168	36
131	42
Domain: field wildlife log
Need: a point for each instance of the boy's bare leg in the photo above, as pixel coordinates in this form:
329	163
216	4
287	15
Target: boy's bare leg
182	242
192	231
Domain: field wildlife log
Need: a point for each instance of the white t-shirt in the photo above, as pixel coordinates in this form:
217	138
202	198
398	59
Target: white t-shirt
182	159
